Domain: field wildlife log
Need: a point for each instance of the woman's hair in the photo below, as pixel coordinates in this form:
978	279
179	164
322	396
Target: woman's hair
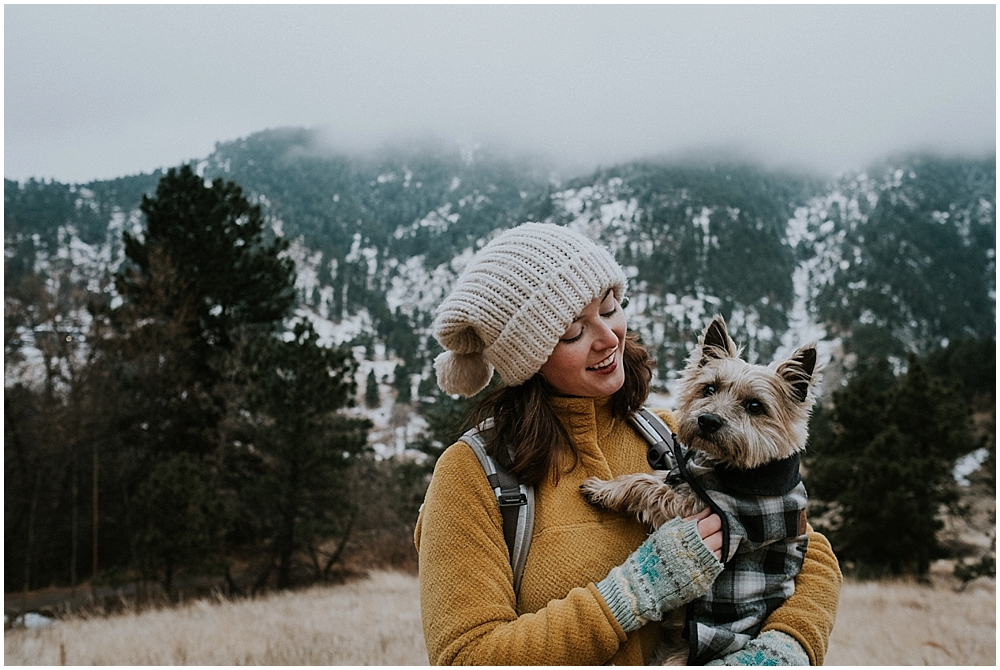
529	440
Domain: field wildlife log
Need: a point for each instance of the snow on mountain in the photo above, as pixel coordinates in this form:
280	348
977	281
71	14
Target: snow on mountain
378	243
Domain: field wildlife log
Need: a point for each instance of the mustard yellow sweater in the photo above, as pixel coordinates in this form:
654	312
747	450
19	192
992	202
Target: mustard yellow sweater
469	610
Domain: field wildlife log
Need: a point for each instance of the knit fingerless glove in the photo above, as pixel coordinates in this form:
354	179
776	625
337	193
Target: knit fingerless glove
671	568
771	647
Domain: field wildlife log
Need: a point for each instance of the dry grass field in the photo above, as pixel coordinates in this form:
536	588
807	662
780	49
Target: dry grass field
377	622
367	622
900	623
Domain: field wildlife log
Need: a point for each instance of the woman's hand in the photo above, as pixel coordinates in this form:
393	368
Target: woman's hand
710	530
671	568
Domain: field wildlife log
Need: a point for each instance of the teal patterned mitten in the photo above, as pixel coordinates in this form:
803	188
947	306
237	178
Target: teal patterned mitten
769	648
671	568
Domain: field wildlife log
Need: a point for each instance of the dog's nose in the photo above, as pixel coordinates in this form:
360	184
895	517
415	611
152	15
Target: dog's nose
709	423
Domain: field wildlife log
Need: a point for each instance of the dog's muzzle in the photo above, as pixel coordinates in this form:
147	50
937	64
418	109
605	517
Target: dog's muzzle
709	424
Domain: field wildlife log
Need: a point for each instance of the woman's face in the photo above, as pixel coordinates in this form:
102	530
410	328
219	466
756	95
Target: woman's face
587	361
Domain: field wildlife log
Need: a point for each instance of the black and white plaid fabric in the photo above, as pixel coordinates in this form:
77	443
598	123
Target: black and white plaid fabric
764	510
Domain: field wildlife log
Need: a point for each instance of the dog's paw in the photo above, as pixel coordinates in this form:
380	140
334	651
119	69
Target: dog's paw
592	489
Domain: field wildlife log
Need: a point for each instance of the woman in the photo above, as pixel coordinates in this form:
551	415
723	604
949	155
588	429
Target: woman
541	305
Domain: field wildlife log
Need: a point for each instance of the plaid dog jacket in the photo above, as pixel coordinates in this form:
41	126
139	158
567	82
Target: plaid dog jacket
763	513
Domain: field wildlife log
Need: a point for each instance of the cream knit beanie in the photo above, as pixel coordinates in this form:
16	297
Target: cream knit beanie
514	301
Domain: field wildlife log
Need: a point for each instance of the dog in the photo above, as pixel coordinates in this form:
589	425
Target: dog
744	427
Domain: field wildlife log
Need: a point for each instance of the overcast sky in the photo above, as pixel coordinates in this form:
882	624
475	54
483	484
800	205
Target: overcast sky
94	92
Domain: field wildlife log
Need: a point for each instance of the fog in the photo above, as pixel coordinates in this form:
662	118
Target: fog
94	92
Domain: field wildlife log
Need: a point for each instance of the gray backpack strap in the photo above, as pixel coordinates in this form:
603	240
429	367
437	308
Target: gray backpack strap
517	503
666	453
659	437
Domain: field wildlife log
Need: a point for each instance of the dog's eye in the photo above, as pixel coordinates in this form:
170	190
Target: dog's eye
709	390
755	407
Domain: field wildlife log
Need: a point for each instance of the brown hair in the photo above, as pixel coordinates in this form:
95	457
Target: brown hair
528	438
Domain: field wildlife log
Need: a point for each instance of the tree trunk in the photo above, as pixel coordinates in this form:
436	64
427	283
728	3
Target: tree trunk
332	560
286	541
29	487
29	548
168	579
74	517
95	518
285	550
262	579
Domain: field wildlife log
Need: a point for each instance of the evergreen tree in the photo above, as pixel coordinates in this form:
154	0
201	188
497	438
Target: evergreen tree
214	240
402	382
970	364
447	418
300	495
199	281
371	390
180	521
201	274
881	462
32	460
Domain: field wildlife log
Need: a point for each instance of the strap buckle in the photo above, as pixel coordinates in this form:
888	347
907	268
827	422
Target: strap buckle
512	498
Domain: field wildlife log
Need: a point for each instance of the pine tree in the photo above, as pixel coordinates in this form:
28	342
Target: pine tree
200	277
300	495
180	521
402	382
199	281
881	462
212	239
372	399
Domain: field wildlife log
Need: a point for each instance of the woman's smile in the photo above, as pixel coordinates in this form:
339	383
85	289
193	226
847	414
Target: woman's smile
606	366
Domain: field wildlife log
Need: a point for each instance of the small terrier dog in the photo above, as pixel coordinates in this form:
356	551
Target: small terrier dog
744	427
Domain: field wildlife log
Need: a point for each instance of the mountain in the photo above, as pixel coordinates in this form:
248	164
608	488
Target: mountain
897	258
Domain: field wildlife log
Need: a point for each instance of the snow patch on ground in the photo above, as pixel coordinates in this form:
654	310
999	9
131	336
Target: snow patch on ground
968	464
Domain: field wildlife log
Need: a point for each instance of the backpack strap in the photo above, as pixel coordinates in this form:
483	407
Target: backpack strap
667	453
661	440
517	502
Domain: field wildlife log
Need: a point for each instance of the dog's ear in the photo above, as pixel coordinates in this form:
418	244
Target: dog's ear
716	343
799	371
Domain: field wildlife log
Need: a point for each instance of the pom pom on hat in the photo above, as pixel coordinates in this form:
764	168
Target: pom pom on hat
462	374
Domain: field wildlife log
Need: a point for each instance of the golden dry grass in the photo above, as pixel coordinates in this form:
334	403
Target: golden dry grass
370	622
377	622
900	623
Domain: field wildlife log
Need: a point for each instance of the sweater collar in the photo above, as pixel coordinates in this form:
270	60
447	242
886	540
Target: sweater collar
584	418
